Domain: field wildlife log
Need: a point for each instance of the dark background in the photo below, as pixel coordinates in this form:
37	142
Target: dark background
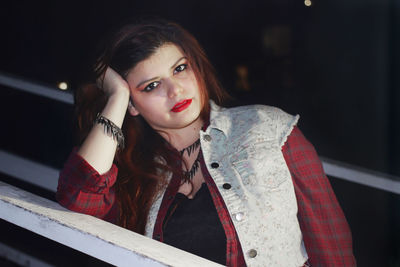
335	63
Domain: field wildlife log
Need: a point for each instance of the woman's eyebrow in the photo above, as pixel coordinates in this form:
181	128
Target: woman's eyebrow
176	63
148	80
145	81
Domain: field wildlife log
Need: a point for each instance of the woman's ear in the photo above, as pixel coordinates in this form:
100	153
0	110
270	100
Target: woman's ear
132	110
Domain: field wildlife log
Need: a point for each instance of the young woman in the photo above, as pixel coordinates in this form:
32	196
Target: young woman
239	186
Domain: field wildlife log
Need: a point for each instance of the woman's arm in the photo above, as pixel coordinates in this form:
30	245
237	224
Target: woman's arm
326	234
82	189
98	149
86	182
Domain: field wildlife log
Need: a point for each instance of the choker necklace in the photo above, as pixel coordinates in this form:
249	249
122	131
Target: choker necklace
188	175
190	149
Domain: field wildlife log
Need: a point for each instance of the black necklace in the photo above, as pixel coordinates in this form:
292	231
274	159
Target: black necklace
188	175
190	149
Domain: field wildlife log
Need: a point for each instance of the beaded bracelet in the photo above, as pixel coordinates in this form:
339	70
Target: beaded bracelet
111	130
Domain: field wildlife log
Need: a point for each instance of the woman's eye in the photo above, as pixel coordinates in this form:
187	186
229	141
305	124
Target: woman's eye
151	86
180	68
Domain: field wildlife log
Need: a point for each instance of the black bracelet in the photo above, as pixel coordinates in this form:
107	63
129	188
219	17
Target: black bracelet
111	130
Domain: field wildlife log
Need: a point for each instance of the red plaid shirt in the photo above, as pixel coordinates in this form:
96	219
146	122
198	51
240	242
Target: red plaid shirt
325	231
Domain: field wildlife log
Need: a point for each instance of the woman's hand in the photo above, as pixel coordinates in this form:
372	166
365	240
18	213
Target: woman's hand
98	149
112	83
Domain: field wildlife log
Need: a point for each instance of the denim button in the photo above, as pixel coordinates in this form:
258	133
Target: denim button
239	216
226	186
207	138
252	253
214	165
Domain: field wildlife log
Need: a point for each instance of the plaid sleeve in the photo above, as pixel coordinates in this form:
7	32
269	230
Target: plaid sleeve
82	189
326	234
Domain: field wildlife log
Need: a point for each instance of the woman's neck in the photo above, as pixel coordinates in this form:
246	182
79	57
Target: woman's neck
184	137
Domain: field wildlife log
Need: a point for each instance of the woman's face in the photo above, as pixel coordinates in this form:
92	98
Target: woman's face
165	91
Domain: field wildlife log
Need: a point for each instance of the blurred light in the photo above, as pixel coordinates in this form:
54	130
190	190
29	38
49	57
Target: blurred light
63	86
308	2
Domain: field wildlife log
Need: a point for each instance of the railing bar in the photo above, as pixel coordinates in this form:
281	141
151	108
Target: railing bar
35	88
21	258
363	177
29	171
46	177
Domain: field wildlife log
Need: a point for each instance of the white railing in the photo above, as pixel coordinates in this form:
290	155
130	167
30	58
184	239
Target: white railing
88	234
35	88
28	171
358	175
46	177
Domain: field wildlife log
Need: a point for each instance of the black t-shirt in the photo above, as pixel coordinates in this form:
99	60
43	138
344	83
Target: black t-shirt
193	225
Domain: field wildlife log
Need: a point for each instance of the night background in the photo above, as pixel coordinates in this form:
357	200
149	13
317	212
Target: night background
336	63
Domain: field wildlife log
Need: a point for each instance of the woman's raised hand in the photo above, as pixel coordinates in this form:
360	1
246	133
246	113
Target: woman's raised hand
98	149
112	83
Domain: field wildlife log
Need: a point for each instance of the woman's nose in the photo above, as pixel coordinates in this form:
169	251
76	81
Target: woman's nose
174	89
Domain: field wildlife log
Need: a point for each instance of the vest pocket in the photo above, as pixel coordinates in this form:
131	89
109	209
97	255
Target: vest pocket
259	165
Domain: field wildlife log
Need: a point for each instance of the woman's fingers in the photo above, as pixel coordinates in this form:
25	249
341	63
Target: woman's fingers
111	82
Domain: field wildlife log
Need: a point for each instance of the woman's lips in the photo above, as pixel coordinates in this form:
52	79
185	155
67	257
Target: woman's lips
181	105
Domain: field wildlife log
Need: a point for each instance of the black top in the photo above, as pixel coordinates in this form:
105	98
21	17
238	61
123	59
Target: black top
193	225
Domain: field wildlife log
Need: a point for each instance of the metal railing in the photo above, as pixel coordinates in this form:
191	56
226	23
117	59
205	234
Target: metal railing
46	177
35	88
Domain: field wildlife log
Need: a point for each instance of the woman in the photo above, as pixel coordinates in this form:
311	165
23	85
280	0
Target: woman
239	186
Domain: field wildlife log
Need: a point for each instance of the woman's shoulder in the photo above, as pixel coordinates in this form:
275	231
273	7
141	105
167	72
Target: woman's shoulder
262	112
265	110
264	117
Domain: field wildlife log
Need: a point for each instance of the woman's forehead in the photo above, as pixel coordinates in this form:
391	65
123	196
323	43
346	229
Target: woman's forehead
160	61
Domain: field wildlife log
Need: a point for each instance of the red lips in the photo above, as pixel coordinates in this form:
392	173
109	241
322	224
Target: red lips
181	105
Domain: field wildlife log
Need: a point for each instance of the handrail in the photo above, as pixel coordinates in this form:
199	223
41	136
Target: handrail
35	88
95	237
46	177
363	176
29	171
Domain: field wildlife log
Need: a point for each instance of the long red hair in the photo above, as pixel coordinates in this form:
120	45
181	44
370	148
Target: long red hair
141	173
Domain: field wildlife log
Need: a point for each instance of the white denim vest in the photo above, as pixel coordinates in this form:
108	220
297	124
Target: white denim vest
246	143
